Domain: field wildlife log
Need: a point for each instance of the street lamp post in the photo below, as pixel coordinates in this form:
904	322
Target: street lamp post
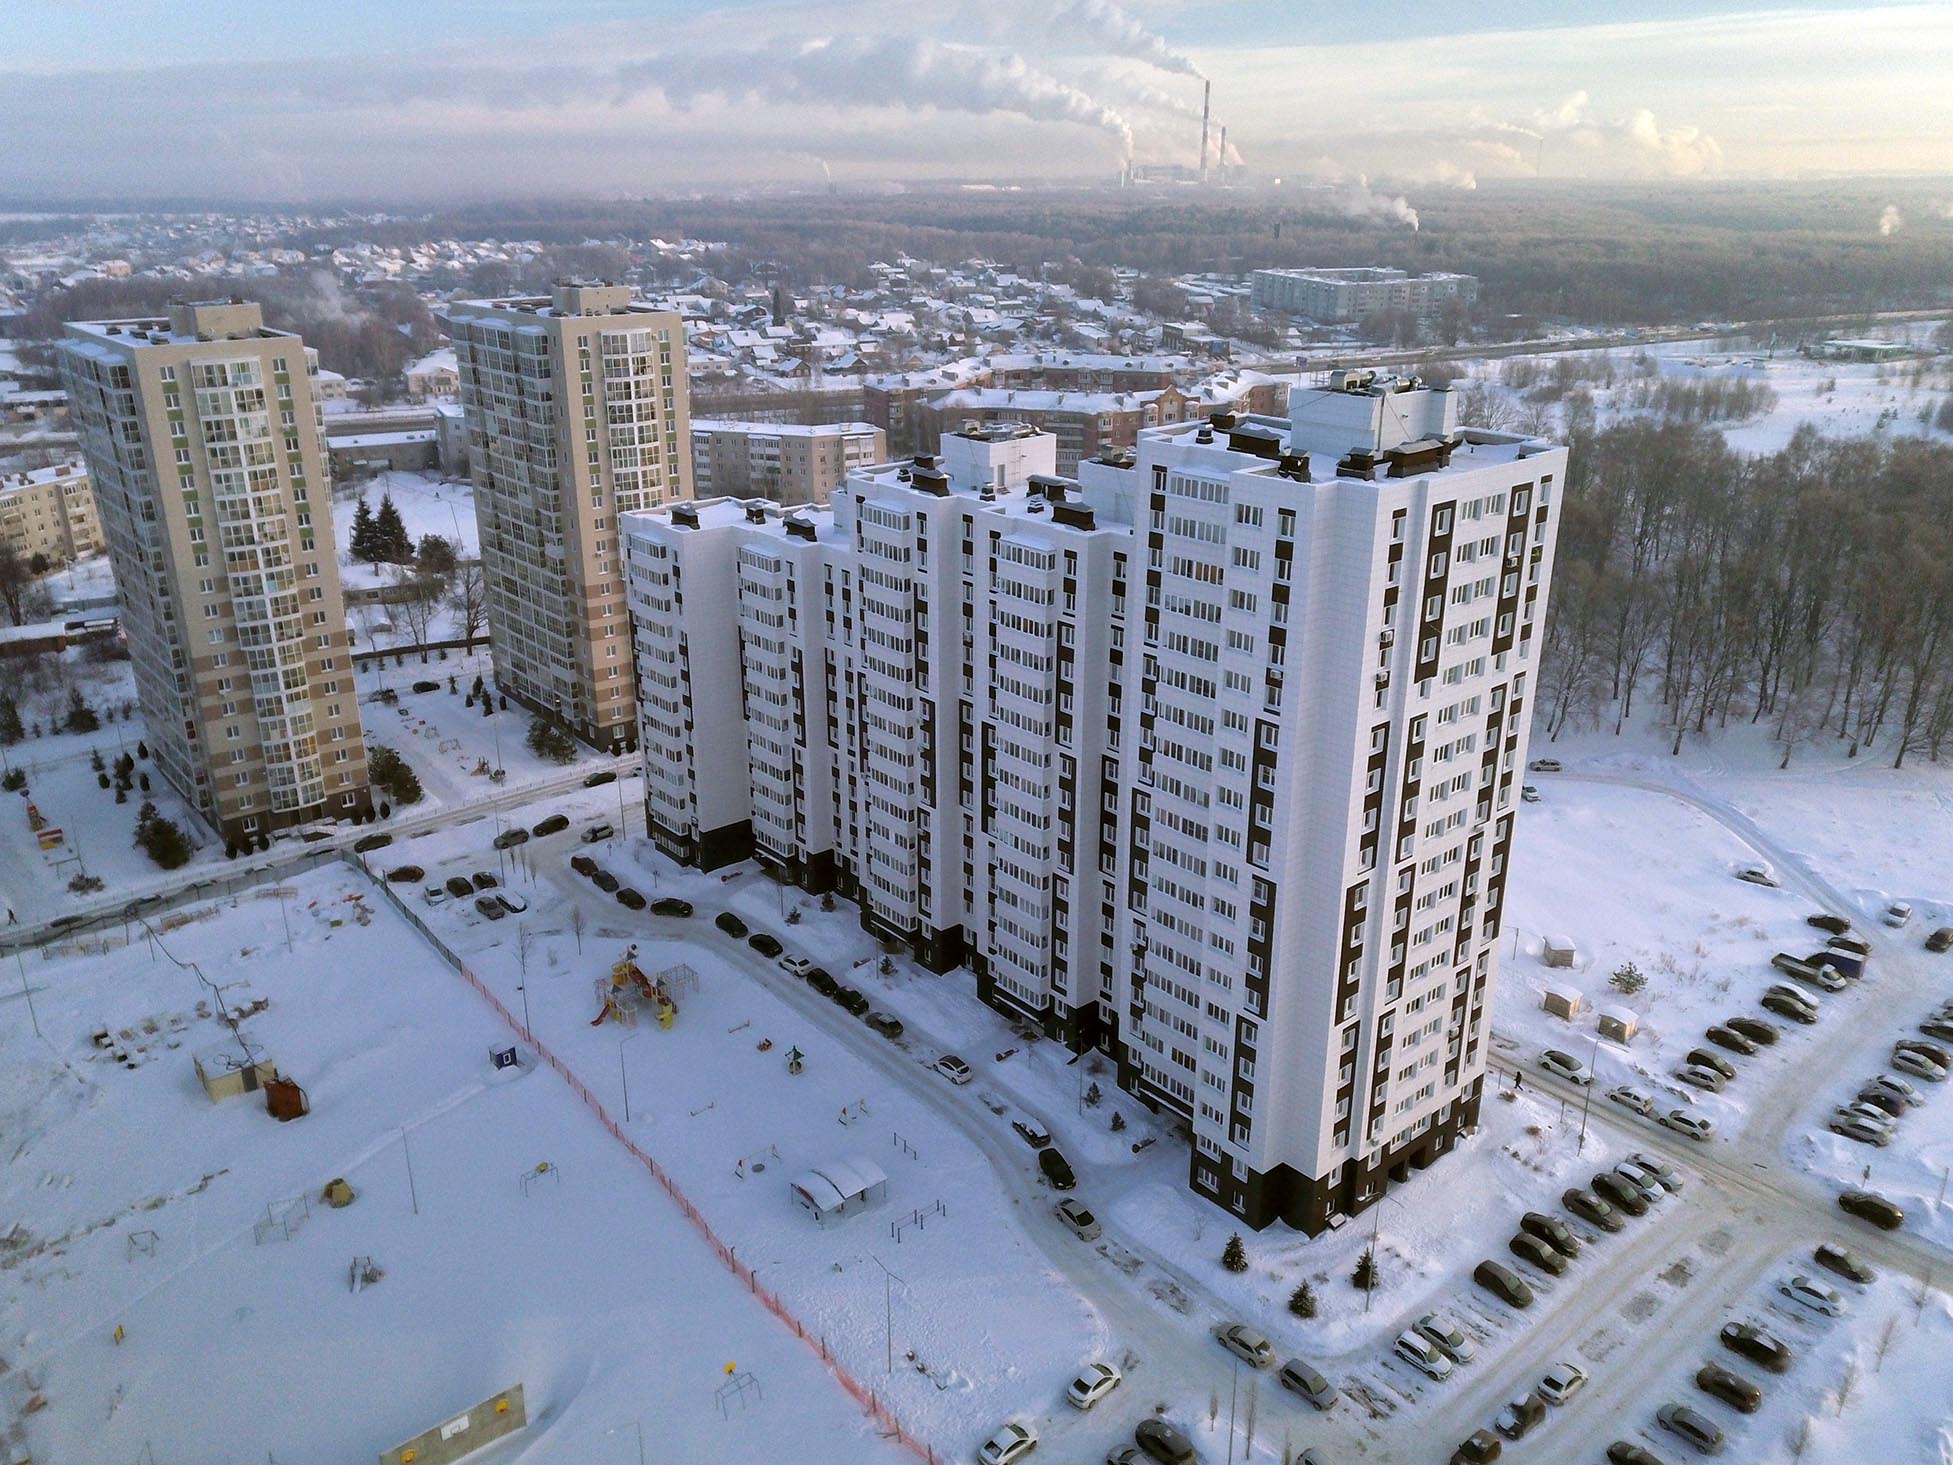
889	1279
1587	1103
624	1073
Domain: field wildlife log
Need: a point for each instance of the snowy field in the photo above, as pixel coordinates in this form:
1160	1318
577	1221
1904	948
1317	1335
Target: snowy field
429	503
135	1203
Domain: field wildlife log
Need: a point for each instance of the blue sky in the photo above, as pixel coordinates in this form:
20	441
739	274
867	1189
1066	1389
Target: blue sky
419	98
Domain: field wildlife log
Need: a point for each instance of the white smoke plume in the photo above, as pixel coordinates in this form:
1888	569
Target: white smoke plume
1350	194
1890	221
911	72
1106	22
1682	152
1442	174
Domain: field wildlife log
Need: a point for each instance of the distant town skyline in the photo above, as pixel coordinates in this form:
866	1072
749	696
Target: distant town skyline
447	99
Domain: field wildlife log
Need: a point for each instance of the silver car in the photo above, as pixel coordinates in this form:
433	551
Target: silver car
1298	1377
1245	1344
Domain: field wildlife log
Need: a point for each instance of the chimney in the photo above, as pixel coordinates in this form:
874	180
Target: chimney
1220	158
1206	97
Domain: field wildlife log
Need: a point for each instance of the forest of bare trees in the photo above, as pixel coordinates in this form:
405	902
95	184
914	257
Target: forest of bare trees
1809	591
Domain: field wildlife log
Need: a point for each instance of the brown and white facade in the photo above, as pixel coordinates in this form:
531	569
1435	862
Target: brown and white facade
1209	759
576	413
206	450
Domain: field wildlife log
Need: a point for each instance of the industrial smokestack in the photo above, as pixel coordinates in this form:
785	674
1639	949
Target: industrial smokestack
1220	158
1206	97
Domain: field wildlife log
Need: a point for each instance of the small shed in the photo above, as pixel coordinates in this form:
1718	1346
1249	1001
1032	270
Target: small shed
1559	951
1563	1002
1617	1024
839	1188
234	1068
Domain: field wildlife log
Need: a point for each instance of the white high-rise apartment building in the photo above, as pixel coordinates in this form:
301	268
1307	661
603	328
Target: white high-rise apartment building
206	451
576	412
1260	857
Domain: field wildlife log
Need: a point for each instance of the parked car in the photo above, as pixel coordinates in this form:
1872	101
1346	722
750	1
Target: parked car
953	1068
1299	1378
489	906
1757	875
1519	1418
1938	1027
366	844
406	874
554	824
1724	1036
510	838
1898	1088
1705	1059
434	895
1799	1012
1243	1341
1755	1029
1553	1232
1940	940
1919	1065
1057	1170
823	982
1566	1066
427	686
1528	794
795	966
1699	1433
1835	1258
1692	1125
1013	1442
765	945
670	905
1633	1100
605	881
1482	1448
1695	1075
1747	1340
1897	913
885	1023
630	899
1834	925
1626	1452
1592	1209
583	865
1856	945
1031	1132
1619	1194
1730	1387
1562	1382
851	1002
1642	1179
1883	1100
1530	1248
1934	1051
485	880
1078	1220
509	901
1163	1443
459	887
597	833
600	777
1857	1127
729	923
1446	1335
1503	1283
1422	1354
1812	1296
1544	765
1094	1382
1868	1205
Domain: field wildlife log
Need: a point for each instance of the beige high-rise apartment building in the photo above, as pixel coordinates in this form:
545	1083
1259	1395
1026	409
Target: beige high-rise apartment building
207	453
49	514
577	411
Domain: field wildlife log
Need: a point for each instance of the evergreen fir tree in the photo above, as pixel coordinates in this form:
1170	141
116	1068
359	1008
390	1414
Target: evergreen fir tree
11	731
1364	1278
1235	1256
1302	1301
362	541
390	539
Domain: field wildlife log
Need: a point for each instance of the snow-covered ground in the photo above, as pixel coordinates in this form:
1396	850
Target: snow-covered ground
429	503
133	1204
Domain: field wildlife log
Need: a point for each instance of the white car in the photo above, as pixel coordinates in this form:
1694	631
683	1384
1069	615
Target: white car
1757	875
795	966
1078	1220
1566	1066
1528	794
1642	1179
509	901
1013	1442
1812	1296
953	1068
1683	1122
1634	1100
434	895
1093	1383
1422	1354
1898	913
1544	765
1449	1338
1562	1382
1919	1065
1245	1344
1660	1169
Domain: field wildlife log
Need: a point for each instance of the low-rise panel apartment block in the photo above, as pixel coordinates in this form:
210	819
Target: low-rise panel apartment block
788	463
48	515
1208	759
1343	295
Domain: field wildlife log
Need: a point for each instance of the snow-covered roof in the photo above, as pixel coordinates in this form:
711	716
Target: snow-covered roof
836	1182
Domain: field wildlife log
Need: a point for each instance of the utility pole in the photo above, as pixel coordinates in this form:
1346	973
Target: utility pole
1587	1104
889	1279
624	1073
28	992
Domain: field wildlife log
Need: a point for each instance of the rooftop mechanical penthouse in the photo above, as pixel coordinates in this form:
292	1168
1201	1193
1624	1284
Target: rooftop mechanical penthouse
1207	759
